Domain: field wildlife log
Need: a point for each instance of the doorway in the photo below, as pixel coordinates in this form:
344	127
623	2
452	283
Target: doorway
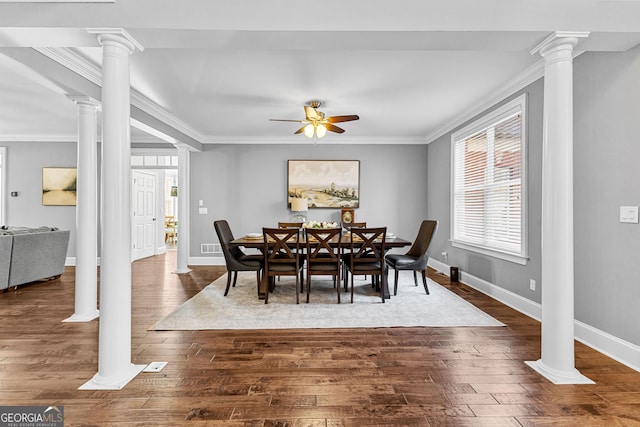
144	214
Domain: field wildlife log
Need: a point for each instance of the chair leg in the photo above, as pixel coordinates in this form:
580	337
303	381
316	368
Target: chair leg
259	277
415	279
395	283
226	291
424	281
347	284
336	279
235	278
308	286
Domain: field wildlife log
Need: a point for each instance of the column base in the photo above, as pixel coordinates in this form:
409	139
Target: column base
99	382
83	317
183	271
559	377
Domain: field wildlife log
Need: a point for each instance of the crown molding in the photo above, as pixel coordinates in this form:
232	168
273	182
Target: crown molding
302	140
38	138
85	68
522	80
73	61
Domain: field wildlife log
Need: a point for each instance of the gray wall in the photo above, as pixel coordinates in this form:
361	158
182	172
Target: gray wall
508	275
25	161
247	185
607	176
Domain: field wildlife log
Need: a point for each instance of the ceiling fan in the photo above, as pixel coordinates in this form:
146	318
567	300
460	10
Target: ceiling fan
316	123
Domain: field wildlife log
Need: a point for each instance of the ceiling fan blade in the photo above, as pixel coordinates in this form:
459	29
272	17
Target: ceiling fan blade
338	119
287	120
300	130
312	113
333	128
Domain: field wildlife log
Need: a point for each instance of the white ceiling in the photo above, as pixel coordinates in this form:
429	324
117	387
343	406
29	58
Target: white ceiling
216	72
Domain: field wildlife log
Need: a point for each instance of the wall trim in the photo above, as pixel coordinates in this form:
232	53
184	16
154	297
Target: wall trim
70	261
206	260
618	349
522	80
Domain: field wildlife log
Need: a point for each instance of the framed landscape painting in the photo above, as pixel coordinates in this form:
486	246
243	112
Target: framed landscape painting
59	186
325	183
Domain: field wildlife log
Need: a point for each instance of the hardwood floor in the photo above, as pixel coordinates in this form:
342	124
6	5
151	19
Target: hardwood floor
339	377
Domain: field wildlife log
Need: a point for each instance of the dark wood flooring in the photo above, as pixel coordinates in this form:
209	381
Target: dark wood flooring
339	377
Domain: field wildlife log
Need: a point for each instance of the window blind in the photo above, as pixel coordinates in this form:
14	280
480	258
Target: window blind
488	186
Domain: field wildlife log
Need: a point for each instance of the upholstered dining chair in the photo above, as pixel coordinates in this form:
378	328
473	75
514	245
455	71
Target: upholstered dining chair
283	256
323	254
235	258
366	256
417	257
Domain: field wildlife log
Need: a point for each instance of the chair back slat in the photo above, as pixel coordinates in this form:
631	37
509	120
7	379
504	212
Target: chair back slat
319	245
367	244
281	245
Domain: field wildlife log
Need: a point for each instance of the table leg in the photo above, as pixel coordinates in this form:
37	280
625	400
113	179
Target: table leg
265	283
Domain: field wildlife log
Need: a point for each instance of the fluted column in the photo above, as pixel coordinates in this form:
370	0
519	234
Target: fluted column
557	362
183	210
86	292
115	369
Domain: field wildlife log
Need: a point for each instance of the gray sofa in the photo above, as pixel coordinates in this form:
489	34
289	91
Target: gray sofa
30	254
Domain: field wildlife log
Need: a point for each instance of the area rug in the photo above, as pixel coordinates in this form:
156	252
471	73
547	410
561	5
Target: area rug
241	308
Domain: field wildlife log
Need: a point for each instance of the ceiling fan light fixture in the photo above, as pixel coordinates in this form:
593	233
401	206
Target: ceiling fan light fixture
309	130
321	130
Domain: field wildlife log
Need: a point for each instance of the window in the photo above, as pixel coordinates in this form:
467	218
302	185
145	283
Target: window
488	200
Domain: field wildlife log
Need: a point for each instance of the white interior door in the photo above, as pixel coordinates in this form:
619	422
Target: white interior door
144	214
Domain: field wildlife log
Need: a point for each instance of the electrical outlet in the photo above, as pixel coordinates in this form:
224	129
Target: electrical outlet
532	284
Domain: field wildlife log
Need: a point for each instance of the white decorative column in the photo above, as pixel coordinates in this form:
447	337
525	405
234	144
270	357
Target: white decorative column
86	297
182	257
557	362
115	369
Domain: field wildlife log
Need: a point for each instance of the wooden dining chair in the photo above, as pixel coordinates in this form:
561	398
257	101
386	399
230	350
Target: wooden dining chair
348	226
283	256
297	225
366	256
290	224
323	255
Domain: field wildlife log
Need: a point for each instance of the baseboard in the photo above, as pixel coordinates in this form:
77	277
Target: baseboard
70	261
620	350
206	260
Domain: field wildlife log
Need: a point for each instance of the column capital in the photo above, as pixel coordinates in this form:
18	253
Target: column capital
118	35
557	39
84	100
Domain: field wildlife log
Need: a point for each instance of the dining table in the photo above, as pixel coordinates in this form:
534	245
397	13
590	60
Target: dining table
256	241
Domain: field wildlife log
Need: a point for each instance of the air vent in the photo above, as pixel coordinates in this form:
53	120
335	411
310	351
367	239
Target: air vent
210	248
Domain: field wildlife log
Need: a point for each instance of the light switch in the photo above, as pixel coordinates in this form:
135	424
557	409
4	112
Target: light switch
200	202
203	211
629	214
